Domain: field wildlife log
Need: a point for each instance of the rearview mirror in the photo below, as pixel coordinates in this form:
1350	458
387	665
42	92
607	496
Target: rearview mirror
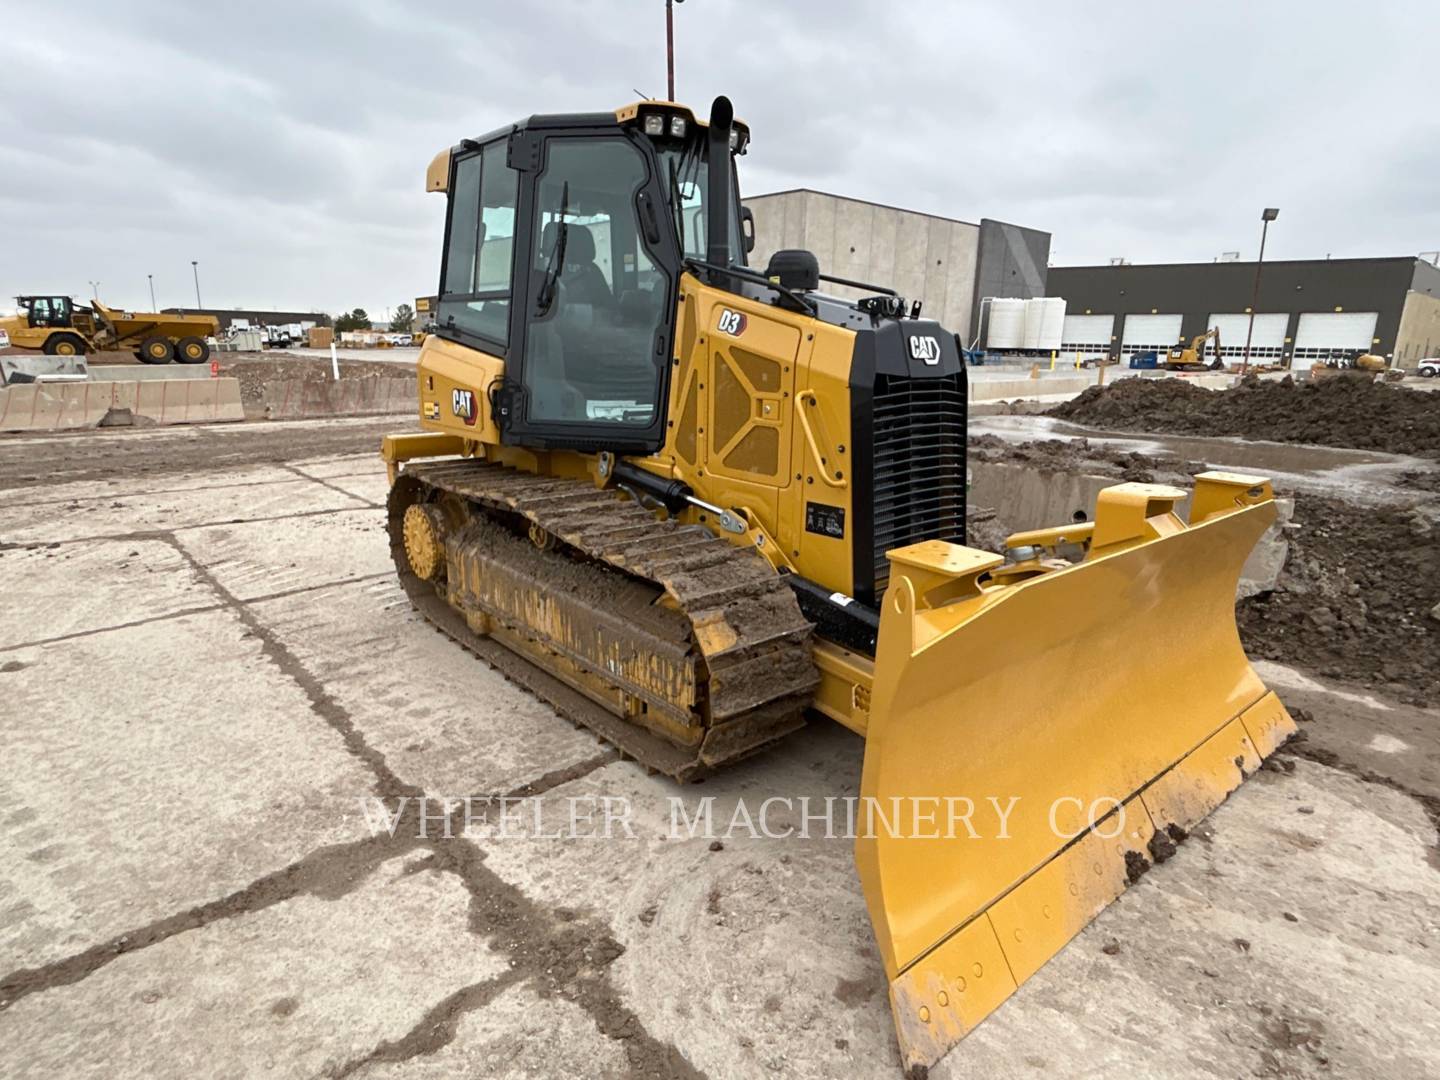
747	228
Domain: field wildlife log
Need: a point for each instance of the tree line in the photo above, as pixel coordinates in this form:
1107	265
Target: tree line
403	322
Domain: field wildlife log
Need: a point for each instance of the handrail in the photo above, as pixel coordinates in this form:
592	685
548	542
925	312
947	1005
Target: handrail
805	399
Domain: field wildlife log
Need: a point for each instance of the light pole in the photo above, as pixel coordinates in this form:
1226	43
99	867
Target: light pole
670	48
195	267
95	289
1269	214
151	279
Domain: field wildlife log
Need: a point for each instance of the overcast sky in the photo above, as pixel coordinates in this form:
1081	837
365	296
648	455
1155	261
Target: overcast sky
283	145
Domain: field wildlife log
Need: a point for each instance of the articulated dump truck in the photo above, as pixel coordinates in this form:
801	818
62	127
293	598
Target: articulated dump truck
58	327
694	506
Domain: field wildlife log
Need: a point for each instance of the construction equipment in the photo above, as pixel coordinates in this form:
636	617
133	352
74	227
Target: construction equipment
424	319
1182	357
691	504
58	327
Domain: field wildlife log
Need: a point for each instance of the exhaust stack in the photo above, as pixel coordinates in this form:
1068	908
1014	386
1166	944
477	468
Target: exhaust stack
718	196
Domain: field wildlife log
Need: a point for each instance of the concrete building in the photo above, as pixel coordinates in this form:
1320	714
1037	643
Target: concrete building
947	264
1309	310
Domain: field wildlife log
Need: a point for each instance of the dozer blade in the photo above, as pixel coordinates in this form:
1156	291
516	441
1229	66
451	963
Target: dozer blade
1034	746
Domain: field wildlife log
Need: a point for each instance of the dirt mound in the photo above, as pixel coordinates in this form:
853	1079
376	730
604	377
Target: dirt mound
1085	456
1350	411
254	372
1355	597
984	530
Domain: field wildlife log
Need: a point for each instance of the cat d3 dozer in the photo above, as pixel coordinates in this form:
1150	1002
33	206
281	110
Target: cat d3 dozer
691	505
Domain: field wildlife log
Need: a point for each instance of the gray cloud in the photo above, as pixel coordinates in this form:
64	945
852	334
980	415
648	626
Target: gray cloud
284	144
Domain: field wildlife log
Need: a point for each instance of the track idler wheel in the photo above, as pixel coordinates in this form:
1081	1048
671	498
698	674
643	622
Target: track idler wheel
424	530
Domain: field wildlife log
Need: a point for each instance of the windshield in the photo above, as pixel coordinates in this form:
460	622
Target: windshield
685	172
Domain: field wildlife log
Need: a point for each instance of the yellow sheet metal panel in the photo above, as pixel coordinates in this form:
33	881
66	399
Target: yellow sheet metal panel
1035	920
846	679
408	445
454	387
1268	723
1198	784
1082	684
1223	492
1128	514
437	173
939	1000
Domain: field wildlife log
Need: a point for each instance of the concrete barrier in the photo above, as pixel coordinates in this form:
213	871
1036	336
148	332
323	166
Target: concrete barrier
1002	389
147	372
295	399
18	368
1055	386
60	406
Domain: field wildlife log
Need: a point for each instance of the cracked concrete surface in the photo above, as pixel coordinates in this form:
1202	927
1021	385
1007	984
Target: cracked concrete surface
205	666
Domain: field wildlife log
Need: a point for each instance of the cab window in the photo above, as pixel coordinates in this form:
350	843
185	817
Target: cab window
476	280
687	178
597	299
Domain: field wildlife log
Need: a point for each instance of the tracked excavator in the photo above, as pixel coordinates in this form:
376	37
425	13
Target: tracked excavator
1182	357
694	505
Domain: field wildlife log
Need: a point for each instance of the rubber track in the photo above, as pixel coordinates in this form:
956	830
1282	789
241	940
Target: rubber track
755	643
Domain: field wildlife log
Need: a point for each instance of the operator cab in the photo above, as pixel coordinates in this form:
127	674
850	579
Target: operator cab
47	311
565	241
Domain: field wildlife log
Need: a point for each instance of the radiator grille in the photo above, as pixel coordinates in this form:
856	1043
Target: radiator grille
919	464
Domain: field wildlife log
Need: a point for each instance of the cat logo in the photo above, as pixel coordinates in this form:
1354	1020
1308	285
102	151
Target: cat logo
731	322
925	348
462	404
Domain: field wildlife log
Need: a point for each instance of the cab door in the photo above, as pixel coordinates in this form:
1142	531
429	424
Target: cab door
596	276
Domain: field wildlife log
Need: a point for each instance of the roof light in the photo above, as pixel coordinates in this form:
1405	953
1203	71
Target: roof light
677	127
654	124
734	139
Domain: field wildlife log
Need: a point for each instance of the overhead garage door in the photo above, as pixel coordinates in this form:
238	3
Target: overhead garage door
1145	332
1086	336
1325	334
1266	345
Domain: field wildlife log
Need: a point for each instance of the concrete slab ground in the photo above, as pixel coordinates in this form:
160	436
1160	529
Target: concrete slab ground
212	692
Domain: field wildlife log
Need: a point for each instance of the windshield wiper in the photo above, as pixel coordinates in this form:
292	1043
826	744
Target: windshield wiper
683	172
551	282
677	206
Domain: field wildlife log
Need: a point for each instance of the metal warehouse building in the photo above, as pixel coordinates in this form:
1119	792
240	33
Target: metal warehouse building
229	316
1308	310
947	264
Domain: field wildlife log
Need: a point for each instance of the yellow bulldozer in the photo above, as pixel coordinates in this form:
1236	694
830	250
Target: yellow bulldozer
695	505
57	326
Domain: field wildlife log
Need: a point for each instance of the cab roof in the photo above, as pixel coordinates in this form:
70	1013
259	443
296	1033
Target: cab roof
437	175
